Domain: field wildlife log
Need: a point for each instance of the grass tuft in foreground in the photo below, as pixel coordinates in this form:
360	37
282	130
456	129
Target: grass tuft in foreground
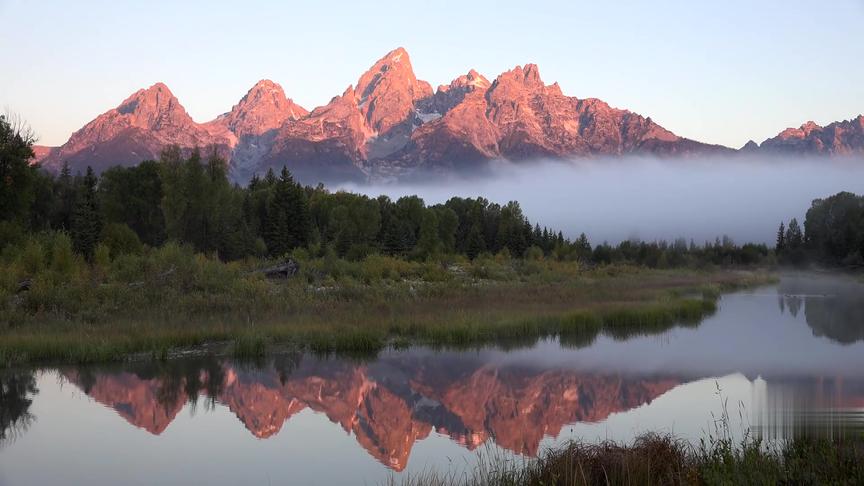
654	459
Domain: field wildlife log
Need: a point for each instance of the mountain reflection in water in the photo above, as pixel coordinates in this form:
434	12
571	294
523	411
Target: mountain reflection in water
387	405
792	356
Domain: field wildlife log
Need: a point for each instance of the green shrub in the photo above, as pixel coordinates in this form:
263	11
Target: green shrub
62	256
358	252
102	256
120	239
534	253
32	259
11	234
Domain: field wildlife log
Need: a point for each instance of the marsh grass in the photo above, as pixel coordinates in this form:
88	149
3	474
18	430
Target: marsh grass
663	459
655	459
250	345
170	298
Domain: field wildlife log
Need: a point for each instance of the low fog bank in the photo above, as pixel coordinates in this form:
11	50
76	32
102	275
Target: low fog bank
619	199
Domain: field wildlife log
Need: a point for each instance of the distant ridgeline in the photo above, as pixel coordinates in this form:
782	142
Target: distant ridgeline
833	233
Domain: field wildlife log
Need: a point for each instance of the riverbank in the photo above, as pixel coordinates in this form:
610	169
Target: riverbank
663	459
171	298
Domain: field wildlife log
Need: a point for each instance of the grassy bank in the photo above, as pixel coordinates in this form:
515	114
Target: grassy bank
169	298
664	460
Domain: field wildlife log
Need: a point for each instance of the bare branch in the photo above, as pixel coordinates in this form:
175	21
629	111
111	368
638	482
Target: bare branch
20	126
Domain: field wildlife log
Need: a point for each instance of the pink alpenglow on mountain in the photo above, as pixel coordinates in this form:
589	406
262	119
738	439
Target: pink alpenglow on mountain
838	138
392	125
138	129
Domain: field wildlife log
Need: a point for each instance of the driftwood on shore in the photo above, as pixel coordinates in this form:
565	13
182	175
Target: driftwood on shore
287	269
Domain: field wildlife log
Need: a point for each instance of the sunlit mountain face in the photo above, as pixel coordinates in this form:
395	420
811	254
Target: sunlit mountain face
392	125
386	405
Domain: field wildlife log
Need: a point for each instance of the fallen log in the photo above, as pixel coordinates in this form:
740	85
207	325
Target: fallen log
284	270
24	285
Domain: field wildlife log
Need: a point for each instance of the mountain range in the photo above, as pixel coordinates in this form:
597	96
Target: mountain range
392	125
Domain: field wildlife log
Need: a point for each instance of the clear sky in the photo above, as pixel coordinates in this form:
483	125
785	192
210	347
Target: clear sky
719	71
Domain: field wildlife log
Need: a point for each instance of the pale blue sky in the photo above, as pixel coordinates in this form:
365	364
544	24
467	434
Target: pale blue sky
720	71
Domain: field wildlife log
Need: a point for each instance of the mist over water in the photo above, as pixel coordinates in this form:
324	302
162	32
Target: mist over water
618	199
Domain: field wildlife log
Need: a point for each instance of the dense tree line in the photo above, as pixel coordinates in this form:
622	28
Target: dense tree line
188	198
833	233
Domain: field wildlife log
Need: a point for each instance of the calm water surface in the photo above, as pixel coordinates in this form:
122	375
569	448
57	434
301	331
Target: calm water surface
789	358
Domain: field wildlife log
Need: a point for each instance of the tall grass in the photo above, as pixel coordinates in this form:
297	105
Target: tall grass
662	459
158	300
654	459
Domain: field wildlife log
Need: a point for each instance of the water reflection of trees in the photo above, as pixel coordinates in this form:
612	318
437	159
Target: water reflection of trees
16	395
838	318
833	307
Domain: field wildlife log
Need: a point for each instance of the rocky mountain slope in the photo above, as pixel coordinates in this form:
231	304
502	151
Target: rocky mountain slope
838	138
138	129
392	125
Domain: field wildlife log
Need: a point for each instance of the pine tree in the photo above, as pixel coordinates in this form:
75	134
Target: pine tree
64	199
781	238
270	178
535	235
794	236
86	222
428	242
476	242
583	248
254	183
288	222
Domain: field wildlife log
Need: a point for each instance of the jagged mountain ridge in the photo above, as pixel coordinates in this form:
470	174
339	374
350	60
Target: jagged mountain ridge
838	138
392	124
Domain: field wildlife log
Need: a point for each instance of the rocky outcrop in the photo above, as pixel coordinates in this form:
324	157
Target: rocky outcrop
264	108
251	126
40	153
138	129
327	144
388	91
838	138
